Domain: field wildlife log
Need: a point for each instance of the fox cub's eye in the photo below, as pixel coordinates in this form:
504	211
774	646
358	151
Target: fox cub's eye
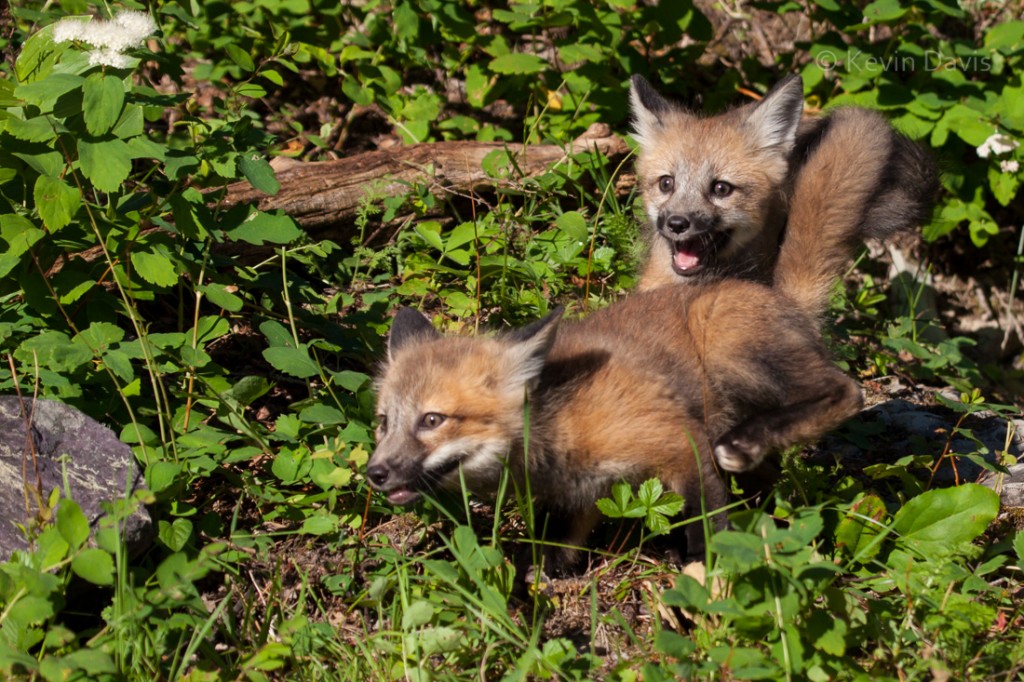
382	423
431	420
666	183
721	189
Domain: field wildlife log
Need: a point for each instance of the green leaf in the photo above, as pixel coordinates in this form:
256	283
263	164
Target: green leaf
155	268
674	644
430	231
239	56
72	524
219	295
518	63
175	534
882	11
33	130
417	615
573	224
260	228
860	527
56	201
102	100
293	361
38	56
99	336
1018	547
95	566
259	173
938	520
688	594
105	163
320	524
248	389
322	414
160	475
44	93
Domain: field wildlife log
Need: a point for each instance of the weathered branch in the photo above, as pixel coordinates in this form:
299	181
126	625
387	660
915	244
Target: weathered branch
326	195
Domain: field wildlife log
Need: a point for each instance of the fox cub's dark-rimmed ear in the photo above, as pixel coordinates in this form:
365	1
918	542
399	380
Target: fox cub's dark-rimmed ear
774	120
409	325
648	108
527	350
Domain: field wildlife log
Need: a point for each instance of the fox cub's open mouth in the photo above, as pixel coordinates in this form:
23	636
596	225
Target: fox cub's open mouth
690	256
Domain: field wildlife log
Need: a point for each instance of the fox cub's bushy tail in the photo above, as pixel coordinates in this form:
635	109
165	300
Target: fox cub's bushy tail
855	183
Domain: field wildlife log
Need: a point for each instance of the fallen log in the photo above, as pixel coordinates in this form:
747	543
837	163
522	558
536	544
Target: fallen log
322	196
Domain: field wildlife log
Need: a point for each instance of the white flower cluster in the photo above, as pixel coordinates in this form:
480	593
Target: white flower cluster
1000	144
110	38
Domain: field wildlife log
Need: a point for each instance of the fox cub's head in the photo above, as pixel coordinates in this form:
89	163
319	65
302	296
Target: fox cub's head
707	182
451	403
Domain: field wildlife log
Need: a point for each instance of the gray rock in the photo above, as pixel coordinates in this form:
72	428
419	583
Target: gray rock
896	428
1009	486
67	444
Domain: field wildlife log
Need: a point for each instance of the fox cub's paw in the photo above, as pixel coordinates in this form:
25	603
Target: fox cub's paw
737	454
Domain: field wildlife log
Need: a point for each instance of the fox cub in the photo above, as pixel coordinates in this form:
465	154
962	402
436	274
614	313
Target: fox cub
612	398
720	191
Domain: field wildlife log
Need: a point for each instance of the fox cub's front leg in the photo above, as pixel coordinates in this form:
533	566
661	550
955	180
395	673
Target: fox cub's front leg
813	411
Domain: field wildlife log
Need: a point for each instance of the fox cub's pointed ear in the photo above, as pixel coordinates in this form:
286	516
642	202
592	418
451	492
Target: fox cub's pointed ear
648	109
409	326
774	120
527	350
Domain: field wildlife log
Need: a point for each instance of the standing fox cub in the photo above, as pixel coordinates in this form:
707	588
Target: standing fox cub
719	190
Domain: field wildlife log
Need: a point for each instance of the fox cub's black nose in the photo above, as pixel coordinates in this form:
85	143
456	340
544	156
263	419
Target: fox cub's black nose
378	474
677	224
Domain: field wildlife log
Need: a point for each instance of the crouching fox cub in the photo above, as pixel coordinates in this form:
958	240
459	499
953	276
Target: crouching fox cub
612	398
720	191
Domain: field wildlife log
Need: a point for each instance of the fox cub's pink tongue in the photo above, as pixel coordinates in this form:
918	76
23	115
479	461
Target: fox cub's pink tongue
686	257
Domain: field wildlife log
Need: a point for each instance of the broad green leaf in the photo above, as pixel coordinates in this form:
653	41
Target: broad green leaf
56	201
175	534
131	123
860	527
120	364
430	231
72	524
573	224
102	100
160	475
38	56
1018	547
53	350
240	56
155	268
105	163
417	614
261	228
687	594
1006	36
219	295
259	173
938	520
99	336
37	129
322	414
248	389
293	361
45	92
95	566
518	63
882	11
320	524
